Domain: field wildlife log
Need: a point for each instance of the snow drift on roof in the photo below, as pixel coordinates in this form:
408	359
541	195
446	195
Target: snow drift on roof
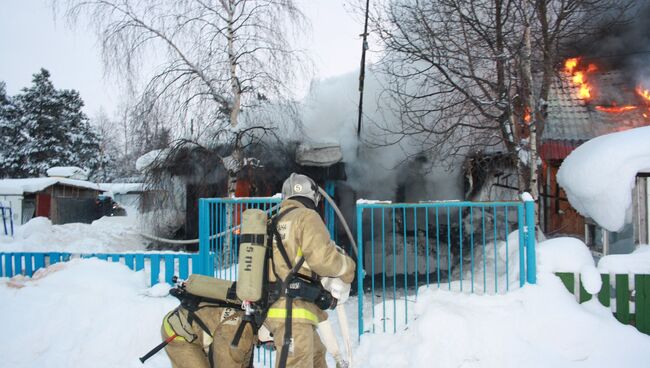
122	188
318	154
71	172
599	176
146	160
32	185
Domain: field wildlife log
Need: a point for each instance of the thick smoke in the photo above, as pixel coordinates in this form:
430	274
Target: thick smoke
624	46
387	172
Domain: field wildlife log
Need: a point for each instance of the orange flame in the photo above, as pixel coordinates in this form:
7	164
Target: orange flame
579	77
584	92
527	114
571	64
616	109
644	93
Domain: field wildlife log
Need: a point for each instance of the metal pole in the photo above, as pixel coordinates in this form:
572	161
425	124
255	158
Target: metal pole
531	276
204	246
360	267
362	70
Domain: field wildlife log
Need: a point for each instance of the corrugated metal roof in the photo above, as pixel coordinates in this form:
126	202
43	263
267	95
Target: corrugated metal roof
573	119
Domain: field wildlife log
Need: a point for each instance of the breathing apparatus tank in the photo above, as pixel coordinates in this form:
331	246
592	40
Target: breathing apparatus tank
209	287
252	255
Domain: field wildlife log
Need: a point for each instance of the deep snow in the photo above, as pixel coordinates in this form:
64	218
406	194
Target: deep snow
93	313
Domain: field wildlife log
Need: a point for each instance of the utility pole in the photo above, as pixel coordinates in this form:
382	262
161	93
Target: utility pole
362	70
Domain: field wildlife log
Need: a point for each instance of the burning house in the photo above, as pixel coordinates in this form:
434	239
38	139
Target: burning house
585	102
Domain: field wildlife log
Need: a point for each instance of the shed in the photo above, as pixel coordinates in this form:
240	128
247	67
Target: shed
62	200
126	194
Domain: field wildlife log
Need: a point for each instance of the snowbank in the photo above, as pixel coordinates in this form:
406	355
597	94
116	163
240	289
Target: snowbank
107	234
87	313
536	326
598	176
569	255
637	262
92	313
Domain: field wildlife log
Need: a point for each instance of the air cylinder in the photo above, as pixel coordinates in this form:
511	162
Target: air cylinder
208	287
252	255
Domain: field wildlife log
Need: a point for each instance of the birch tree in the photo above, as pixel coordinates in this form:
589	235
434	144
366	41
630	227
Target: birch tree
207	64
202	61
471	75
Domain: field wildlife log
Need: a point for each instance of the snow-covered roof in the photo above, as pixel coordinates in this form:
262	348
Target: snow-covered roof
150	157
599	176
32	185
71	172
319	154
122	188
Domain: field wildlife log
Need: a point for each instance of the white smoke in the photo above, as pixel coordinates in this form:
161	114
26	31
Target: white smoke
330	114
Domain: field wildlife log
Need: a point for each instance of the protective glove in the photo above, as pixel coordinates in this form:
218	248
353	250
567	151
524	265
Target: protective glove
339	289
178	321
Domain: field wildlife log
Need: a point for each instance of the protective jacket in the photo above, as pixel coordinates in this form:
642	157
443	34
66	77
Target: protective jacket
304	234
194	347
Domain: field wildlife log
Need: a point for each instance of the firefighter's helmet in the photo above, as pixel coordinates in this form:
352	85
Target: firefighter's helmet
298	185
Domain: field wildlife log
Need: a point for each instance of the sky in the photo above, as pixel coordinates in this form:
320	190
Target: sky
31	37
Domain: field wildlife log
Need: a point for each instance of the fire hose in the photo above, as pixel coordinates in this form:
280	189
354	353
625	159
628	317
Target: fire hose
328	335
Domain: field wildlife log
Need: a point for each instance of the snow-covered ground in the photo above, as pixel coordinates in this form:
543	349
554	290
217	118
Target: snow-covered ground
88	312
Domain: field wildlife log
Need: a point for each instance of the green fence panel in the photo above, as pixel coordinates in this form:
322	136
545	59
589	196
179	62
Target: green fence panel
622	299
604	294
567	279
642	286
584	295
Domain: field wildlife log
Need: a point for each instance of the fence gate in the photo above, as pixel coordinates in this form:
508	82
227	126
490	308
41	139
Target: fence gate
219	221
461	246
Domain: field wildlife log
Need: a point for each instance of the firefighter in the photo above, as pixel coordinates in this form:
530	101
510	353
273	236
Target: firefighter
303	259
203	338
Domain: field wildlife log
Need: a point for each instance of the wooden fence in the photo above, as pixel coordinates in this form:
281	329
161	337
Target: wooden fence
627	296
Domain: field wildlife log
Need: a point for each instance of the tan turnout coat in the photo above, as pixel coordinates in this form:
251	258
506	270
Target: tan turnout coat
303	232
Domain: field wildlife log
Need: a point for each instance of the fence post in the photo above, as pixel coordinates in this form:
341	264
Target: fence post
4	222
11	219
531	276
360	270
204	240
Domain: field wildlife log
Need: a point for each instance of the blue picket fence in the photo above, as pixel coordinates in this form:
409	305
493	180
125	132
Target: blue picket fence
7	220
461	246
453	244
162	267
219	219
